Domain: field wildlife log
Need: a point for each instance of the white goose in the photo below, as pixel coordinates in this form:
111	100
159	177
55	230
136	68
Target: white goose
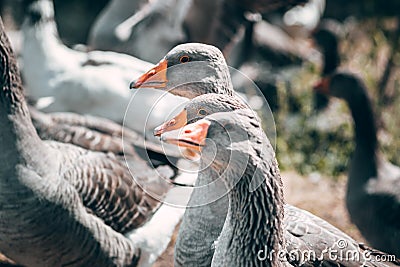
87	83
62	205
142	28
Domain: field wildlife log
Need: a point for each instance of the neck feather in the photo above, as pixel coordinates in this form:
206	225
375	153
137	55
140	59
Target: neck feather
331	60
364	121
195	241
255	218
364	161
14	115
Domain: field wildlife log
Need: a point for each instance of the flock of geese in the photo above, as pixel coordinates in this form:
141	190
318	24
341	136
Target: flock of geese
75	190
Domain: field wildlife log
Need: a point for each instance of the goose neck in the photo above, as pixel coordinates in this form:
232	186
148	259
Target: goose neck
195	241
364	122
42	46
254	220
331	61
364	160
14	115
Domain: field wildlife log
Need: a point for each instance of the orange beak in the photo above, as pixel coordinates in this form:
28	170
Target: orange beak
322	86
192	136
154	78
177	122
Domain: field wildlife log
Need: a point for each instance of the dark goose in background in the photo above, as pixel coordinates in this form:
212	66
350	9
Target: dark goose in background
373	187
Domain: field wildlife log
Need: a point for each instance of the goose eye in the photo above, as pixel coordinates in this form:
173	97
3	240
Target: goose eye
184	59
202	112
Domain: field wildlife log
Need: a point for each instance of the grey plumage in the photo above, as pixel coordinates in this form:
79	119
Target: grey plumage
44	222
99	134
195	241
62	205
103	180
201	225
257	218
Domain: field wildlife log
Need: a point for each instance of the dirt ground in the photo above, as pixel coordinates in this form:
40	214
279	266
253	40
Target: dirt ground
319	195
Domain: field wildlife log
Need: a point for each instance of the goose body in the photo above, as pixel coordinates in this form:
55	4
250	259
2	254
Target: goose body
64	205
86	131
86	83
373	188
257	221
102	135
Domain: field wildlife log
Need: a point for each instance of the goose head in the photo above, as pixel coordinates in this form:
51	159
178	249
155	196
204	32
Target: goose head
200	107
327	36
39	12
189	70
342	85
39	25
223	139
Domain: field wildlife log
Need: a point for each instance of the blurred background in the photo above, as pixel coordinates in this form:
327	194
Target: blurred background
280	51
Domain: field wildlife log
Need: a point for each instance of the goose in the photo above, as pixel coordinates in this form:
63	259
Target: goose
259	229
145	29
63	205
194	243
193	70
86	83
373	187
169	73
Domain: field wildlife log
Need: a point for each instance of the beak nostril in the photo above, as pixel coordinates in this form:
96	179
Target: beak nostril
171	122
188	131
152	72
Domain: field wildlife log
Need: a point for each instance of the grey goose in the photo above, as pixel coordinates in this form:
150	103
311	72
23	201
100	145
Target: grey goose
177	74
62	205
259	229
